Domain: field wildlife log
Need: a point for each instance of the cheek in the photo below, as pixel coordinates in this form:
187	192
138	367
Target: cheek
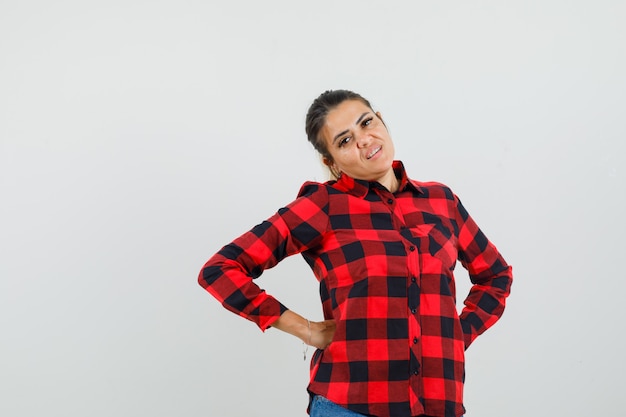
345	161
348	155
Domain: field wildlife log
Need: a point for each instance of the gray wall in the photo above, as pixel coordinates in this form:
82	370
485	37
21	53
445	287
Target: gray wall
138	137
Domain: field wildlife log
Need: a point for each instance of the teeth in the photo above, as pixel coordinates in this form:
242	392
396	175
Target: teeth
374	152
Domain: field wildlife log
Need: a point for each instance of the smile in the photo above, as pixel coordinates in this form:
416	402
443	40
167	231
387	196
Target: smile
374	152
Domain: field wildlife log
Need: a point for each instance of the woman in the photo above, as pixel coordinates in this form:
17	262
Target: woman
383	248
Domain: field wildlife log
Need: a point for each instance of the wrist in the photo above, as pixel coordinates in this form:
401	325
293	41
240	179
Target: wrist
305	332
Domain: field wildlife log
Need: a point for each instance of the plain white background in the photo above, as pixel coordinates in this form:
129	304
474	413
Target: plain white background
138	137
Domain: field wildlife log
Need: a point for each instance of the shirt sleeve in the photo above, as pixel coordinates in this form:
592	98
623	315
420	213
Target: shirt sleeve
491	277
229	274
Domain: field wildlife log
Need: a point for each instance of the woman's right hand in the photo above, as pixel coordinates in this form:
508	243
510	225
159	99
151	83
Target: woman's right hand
322	333
314	333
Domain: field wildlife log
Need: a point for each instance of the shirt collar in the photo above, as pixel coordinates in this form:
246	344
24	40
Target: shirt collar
360	188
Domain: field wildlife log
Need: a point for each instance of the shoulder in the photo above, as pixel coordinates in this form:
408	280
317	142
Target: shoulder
434	189
317	190
307	216
312	197
311	188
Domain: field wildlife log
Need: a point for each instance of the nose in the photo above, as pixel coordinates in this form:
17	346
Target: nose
363	140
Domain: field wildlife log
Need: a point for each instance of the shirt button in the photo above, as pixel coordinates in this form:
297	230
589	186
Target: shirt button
414	340
415	372
389	201
413	279
412	248
413	310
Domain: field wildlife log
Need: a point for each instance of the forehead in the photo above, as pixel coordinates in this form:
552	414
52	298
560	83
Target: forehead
345	115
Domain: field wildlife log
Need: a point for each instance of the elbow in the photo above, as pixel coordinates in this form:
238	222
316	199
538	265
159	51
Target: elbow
209	274
201	280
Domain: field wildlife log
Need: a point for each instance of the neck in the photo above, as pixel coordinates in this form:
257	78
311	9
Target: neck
390	182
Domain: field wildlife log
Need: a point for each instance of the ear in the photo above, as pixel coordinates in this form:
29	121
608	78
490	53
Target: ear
332	167
380	117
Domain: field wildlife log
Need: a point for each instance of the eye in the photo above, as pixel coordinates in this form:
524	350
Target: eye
344	141
366	122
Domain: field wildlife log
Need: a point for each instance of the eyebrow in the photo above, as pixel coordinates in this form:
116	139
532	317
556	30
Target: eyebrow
346	131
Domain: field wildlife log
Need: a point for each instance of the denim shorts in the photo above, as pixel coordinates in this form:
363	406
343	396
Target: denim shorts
322	407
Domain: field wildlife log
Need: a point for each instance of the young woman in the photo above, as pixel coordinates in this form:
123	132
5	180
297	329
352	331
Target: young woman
383	248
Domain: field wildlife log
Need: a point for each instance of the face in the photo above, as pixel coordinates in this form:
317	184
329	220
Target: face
359	143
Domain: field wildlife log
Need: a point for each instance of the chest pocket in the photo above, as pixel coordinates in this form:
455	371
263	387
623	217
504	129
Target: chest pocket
437	241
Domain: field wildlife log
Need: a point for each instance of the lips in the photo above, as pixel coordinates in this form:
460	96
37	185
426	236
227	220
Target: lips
373	152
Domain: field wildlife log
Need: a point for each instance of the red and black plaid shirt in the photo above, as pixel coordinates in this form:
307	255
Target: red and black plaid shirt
385	264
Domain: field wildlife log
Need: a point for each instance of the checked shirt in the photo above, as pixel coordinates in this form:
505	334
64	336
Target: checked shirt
385	265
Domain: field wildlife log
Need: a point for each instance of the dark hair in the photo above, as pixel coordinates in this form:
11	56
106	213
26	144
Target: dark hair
316	116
